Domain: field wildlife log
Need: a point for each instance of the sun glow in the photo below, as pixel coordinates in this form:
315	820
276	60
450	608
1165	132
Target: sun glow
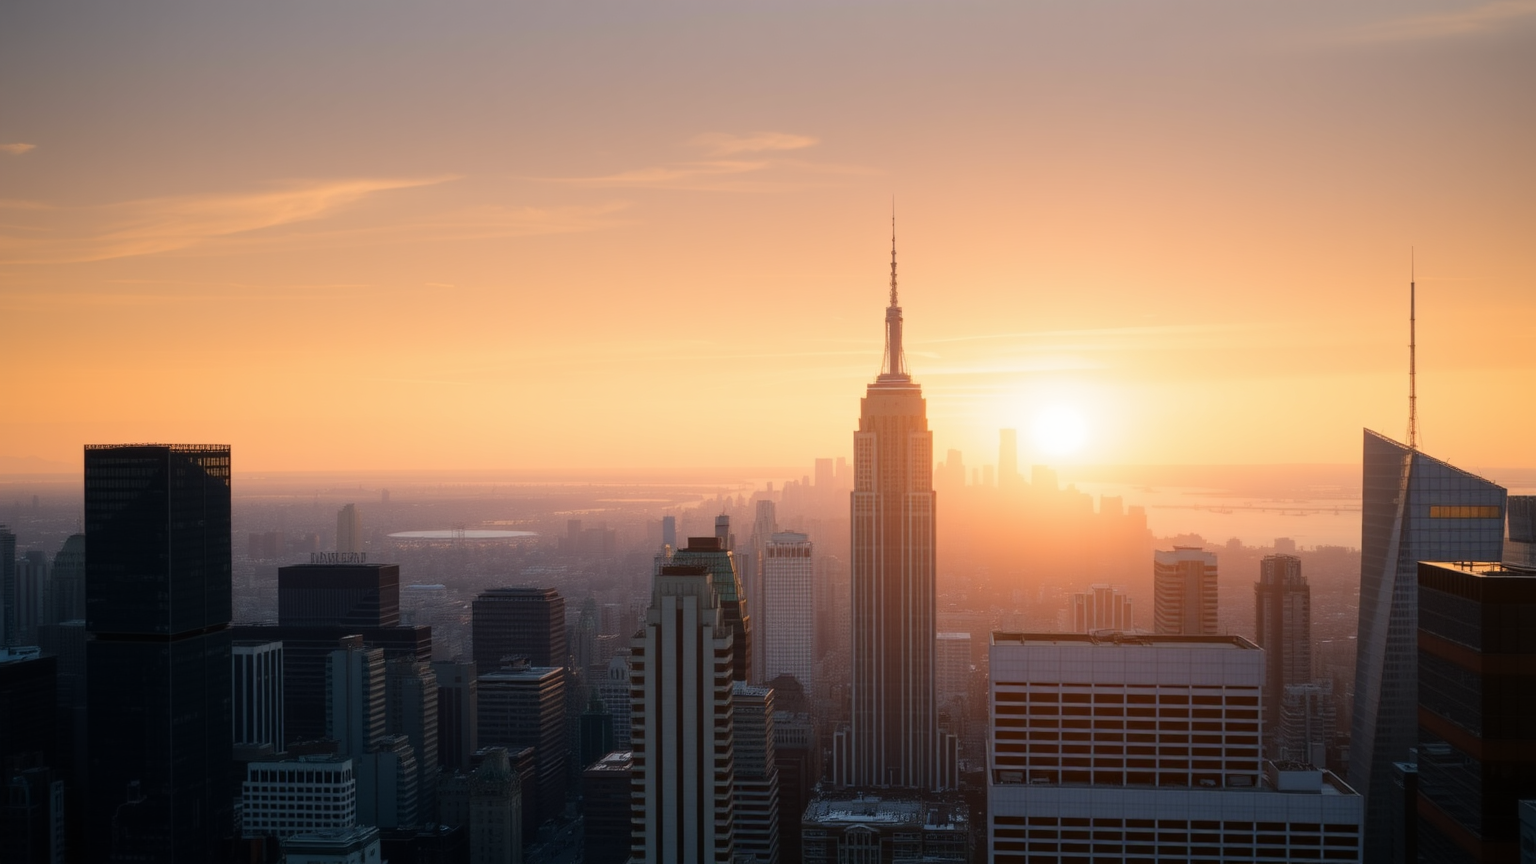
1059	430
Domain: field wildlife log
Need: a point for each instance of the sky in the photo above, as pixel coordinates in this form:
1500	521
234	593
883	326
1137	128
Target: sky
530	236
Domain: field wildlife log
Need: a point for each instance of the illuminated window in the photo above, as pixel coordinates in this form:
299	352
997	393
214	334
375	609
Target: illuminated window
1445	511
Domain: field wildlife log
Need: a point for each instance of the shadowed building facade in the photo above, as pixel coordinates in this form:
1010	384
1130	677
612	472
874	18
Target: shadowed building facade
893	736
158	660
1413	508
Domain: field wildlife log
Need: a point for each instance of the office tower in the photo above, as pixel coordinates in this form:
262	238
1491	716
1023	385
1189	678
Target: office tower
310	793
1307	730
684	738
333	846
1476	711
31	582
788	622
797	755
410	697
669	532
348	595
158	651
1282	620
596	732
349	531
757	775
257	685
1008	474
606	815
458	713
387	794
714	553
519	622
67	580
952	663
10	634
614	691
879	829
894	730
753	565
1148	748
524	706
1101	607
1413	508
1184	592
355	707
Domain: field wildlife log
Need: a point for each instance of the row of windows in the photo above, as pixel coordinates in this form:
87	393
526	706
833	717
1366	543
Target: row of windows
1118	696
1055	710
1463	511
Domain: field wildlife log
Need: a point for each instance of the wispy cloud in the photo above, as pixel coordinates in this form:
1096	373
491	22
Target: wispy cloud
16	148
1486	18
726	144
158	225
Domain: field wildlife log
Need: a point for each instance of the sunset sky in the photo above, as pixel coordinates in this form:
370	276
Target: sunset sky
385	235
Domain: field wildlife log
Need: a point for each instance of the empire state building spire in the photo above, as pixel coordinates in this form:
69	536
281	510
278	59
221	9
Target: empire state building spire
894	367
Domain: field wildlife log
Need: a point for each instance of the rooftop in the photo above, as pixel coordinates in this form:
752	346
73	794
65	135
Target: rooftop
1118	639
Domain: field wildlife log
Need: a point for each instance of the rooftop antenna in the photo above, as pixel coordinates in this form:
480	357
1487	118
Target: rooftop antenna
1413	408
893	250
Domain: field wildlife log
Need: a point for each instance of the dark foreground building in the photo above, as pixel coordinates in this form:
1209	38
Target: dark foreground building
158	660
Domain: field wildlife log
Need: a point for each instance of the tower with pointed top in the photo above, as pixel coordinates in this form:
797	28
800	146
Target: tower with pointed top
893	737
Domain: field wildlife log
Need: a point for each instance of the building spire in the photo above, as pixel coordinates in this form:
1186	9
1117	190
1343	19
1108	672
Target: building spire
893	251
894	365
1413	408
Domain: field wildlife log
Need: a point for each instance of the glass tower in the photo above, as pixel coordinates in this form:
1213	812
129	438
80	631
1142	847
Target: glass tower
1413	508
157	584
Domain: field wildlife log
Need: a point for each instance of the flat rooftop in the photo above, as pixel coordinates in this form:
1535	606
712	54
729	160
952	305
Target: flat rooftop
1499	569
1119	639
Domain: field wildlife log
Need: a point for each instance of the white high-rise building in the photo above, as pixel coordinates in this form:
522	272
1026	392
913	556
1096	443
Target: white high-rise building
786	627
311	793
683	734
257	688
1143	748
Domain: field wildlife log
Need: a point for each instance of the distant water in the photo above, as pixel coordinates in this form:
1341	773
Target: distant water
1219	516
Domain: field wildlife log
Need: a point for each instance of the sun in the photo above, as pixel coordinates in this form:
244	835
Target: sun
1059	430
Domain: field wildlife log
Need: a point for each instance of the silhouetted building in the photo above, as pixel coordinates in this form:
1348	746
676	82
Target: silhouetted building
605	786
683	738
596	732
1184	592
519	622
1282	620
32	817
488	801
387	792
158	656
10	590
1477	709
349	531
1153	743
1101	607
458	721
68	580
346	595
257	688
797	754
788	624
614	691
410	696
757	774
894	733
1413	508
30	582
524	706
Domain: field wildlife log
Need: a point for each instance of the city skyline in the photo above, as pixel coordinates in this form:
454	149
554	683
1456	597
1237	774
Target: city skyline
1121	212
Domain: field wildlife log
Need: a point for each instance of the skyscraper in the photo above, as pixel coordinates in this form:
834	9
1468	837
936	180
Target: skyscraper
788	622
1282	620
757	774
519	622
684	735
1101	607
158	658
1184	592
350	595
1413	508
67	582
893	736
10	601
754	563
1477	671
525	706
715	554
257	712
349	532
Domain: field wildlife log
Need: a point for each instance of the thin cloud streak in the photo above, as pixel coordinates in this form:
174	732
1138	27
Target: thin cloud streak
158	225
1486	18
726	144
16	148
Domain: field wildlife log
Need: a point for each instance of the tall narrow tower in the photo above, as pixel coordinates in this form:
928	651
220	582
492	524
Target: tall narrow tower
893	735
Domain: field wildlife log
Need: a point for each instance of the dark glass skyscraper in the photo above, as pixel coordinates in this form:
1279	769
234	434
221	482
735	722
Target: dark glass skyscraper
1413	508
158	660
519	622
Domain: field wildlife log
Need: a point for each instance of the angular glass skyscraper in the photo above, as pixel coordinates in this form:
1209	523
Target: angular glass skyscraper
157	587
1414	508
894	734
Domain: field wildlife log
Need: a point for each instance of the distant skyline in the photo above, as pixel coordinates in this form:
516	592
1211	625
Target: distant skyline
381	237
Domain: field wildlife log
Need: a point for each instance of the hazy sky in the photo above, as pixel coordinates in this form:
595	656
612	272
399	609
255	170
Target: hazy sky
365	235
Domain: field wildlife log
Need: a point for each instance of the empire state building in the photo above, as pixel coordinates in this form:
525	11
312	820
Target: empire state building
893	739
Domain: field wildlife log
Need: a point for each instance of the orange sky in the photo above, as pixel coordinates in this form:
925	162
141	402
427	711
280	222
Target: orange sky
397	235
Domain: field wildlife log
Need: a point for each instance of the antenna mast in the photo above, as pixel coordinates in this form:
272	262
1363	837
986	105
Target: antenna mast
1413	408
